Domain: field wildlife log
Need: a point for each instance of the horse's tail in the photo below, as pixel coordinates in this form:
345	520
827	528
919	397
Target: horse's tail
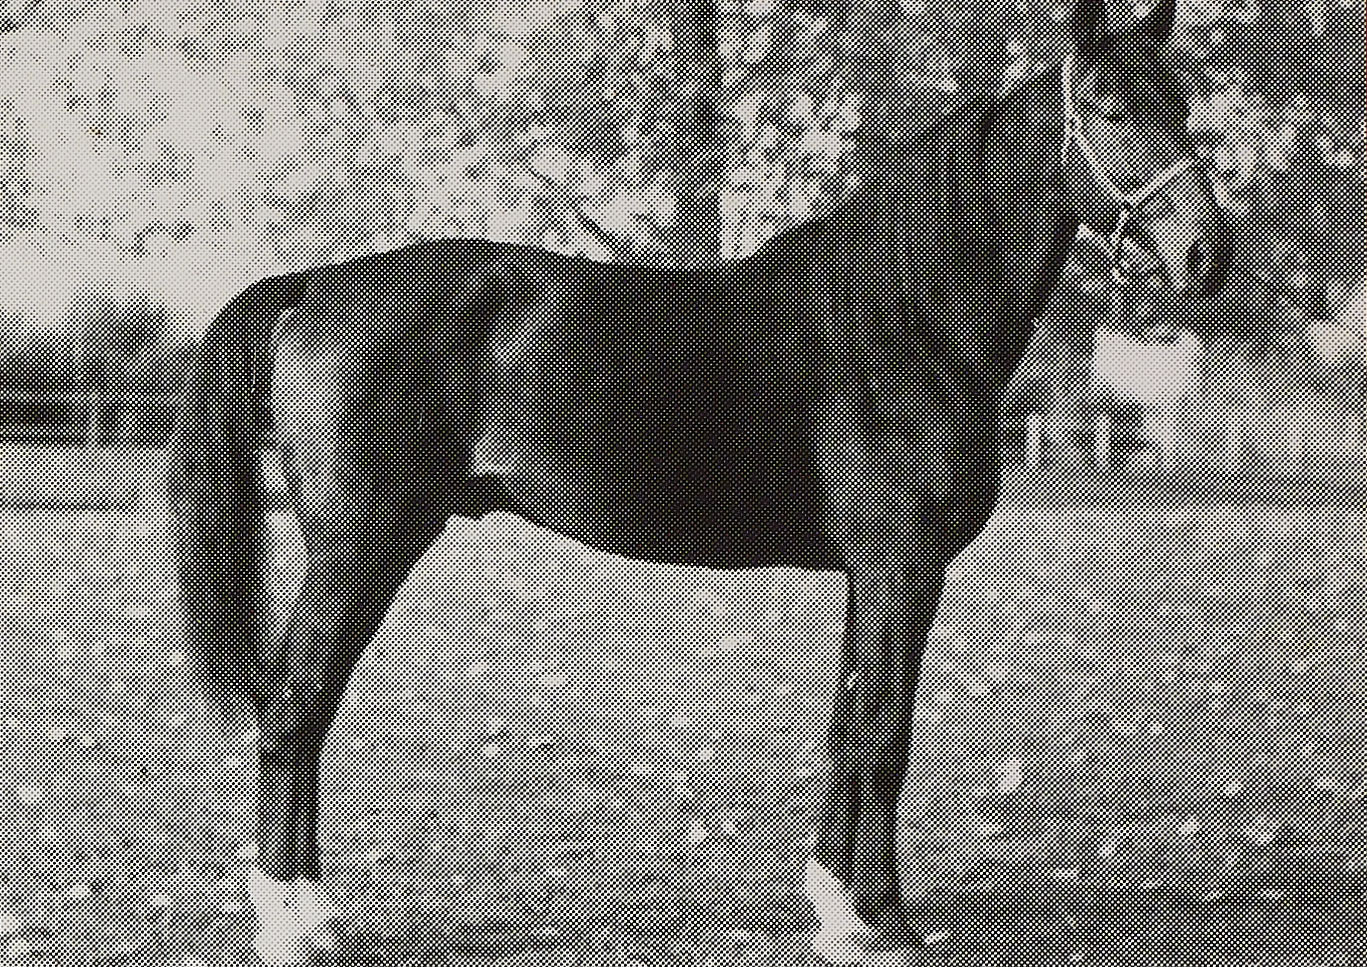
217	501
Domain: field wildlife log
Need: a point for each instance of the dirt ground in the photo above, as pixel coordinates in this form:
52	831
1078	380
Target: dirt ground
1138	741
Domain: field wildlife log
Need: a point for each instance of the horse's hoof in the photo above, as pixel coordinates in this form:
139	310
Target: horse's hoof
281	939
863	949
317	915
844	938
832	903
283	944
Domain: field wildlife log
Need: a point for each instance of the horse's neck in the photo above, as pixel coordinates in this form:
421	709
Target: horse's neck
976	276
1024	174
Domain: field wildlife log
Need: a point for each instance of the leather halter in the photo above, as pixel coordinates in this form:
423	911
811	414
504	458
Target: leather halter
1130	203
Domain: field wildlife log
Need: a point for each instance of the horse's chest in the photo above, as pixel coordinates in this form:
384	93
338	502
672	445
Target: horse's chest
904	452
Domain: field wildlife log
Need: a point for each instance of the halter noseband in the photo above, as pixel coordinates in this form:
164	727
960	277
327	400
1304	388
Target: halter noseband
1130	204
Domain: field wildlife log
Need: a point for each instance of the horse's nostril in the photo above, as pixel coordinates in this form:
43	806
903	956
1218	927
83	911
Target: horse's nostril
1198	265
1208	259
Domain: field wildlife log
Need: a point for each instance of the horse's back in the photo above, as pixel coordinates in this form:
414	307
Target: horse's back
652	413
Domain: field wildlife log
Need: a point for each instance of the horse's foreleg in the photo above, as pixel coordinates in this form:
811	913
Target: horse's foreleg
891	607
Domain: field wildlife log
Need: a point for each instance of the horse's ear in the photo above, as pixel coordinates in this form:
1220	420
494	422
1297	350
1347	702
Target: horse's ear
1157	23
1088	26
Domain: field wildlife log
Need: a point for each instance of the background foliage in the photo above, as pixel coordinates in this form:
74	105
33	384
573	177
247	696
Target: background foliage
172	152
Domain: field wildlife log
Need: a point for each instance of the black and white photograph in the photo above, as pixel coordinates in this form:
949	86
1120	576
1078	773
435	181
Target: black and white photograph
708	483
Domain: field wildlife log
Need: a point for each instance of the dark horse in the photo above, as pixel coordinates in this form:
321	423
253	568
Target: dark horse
827	403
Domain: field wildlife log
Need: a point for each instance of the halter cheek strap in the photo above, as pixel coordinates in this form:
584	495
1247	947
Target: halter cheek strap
1130	203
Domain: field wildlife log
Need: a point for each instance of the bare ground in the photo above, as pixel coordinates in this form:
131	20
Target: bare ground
1138	742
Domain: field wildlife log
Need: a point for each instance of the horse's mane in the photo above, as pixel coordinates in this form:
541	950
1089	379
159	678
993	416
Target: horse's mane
923	242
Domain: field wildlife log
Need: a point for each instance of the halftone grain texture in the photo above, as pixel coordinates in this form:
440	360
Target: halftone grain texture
827	403
1152	753
552	756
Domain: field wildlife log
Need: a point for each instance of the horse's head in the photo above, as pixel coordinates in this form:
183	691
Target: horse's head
1133	173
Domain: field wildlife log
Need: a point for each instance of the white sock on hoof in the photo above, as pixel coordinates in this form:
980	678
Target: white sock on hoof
281	940
283	946
316	913
842	939
848	950
270	897
833	905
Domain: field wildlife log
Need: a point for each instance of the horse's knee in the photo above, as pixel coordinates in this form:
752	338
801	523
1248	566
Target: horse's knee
877	732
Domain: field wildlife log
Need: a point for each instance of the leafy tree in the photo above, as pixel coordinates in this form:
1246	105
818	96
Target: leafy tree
132	131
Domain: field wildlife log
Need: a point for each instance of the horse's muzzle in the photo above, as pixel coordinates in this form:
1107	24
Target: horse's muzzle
1208	261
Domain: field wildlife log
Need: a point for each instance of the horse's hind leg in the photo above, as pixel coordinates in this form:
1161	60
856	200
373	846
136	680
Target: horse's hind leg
355	568
363	487
346	592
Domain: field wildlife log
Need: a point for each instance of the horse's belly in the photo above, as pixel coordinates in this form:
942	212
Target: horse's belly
671	479
708	523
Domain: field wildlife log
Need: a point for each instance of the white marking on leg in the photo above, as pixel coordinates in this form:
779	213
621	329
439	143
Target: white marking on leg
833	905
281	940
317	914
